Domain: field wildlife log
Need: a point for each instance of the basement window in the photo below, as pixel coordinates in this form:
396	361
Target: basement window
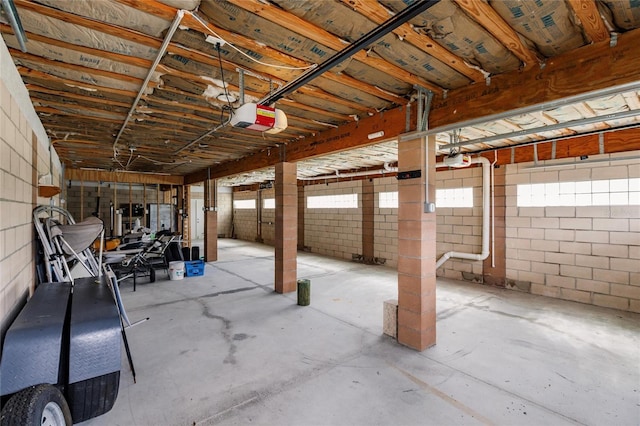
388	200
269	203
244	204
454	197
341	201
610	192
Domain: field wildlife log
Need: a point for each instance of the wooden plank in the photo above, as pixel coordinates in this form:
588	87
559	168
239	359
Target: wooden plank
590	68
614	141
367	88
122	177
486	16
39	89
589	16
78	68
305	107
313	32
377	13
55	111
28	72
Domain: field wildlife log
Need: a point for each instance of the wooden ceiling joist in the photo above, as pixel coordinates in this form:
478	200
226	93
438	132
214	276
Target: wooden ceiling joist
589	16
315	33
78	68
27	72
378	14
486	16
88	99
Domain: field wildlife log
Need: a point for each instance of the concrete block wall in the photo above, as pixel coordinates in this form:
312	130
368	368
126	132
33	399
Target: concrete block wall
385	224
21	135
225	211
460	229
588	254
16	191
268	219
334	232
245	220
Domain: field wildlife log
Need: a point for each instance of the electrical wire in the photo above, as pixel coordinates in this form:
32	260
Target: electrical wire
285	67
130	158
224	84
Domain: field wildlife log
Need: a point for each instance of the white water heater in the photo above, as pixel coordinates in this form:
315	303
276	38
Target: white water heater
261	118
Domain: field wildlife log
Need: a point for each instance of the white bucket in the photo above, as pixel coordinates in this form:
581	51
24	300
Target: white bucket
176	270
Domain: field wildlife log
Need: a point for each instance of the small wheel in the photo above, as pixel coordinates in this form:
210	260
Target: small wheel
37	405
152	275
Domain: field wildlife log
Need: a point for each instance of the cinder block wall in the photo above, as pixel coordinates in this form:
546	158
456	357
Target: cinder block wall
588	254
268	219
334	232
460	229
385	220
225	211
245	220
24	155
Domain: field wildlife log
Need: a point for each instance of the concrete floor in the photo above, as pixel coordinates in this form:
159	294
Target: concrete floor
225	349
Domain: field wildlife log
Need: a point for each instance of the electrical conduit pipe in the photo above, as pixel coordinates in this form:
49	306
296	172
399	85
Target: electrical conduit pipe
485	217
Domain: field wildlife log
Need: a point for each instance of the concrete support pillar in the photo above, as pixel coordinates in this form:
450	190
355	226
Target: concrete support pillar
368	207
497	275
286	229
210	221
211	236
416	246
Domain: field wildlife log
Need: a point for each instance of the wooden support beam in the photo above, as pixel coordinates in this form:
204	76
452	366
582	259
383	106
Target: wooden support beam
614	141
486	16
348	136
592	23
377	13
590	68
122	177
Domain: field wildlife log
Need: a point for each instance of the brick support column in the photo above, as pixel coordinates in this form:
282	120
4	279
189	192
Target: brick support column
211	236
416	247
286	229
368	206
497	275
301	205
210	221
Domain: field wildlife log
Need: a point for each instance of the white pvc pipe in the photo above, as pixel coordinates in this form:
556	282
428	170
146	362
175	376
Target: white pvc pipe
493	209
485	217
